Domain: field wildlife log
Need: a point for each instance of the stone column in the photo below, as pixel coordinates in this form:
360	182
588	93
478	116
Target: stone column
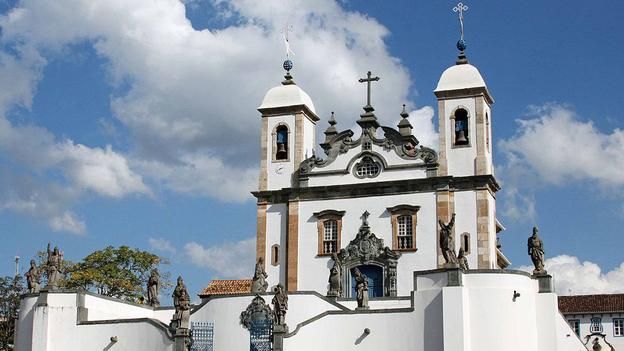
182	338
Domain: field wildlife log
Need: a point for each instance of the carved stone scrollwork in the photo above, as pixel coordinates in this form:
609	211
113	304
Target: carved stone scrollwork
367	249
257	310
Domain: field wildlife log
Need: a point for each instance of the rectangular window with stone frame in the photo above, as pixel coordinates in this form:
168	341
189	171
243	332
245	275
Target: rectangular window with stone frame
329	225
618	327
575	324
403	219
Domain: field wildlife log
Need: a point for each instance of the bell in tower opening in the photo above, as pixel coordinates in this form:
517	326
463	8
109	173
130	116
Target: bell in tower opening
461	127
282	143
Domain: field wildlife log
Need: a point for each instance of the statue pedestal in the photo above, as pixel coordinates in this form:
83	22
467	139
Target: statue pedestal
545	282
182	337
279	331
363	308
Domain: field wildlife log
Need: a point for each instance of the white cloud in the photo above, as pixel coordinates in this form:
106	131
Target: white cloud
189	96
561	148
68	222
161	244
228	260
573	277
554	146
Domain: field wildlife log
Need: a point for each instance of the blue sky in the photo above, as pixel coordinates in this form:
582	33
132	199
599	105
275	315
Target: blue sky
134	123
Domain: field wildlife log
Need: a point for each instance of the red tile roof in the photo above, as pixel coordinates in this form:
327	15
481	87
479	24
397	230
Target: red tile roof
227	287
591	303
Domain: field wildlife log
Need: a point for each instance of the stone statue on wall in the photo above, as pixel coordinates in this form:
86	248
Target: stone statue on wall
447	244
536	251
280	305
54	263
259	284
335	278
361	288
596	345
182	304
33	278
153	285
462	260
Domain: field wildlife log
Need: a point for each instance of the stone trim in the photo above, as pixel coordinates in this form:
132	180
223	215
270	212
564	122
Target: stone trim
264	175
452	126
484	260
274	143
321	218
261	231
299	139
481	163
442	160
383	188
465	93
445	207
395	213
292	246
289	110
275	252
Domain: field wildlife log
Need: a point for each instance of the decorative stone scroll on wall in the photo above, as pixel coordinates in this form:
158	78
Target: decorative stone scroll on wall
368	249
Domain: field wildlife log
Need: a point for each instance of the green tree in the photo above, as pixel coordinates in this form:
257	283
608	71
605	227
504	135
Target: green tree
10	290
117	272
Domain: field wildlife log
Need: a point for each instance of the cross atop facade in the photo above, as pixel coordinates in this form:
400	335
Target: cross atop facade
368	81
459	9
287	28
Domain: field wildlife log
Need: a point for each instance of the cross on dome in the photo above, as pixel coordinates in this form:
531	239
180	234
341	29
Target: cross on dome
460	8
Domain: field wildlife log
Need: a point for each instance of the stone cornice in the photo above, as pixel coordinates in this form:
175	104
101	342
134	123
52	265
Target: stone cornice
285	110
384	188
462	93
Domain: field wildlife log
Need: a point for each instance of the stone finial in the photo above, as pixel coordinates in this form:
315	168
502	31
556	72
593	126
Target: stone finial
331	131
405	127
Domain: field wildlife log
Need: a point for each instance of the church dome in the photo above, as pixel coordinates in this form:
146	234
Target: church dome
286	95
463	76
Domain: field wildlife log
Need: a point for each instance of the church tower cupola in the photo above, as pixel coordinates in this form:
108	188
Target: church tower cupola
464	110
288	132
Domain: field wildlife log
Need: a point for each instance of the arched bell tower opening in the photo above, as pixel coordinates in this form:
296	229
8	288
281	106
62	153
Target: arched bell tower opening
461	135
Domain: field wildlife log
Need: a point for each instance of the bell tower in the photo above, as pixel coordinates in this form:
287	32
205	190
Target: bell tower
288	133
465	152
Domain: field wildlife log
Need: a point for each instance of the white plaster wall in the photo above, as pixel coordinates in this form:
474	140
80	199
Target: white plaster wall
309	137
54	328
567	340
466	221
313	271
460	160
277	217
24	328
101	308
225	313
278	181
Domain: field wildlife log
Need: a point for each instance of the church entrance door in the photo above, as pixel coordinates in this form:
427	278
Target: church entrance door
375	280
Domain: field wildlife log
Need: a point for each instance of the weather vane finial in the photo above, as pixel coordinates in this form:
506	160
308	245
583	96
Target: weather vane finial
459	9
288	64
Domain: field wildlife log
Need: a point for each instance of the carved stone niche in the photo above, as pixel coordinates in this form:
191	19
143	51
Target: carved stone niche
258	310
368	249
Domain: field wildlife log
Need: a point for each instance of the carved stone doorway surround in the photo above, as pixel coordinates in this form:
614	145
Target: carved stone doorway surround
368	249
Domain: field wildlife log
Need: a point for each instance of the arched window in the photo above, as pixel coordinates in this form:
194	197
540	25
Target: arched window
461	127
281	139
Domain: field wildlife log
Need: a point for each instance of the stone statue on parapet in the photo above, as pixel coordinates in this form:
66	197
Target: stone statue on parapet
33	278
259	284
182	304
335	279
280	305
54	264
536	251
447	244
153	285
462	260
361	288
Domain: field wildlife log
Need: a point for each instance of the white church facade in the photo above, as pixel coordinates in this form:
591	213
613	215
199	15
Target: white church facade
376	201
